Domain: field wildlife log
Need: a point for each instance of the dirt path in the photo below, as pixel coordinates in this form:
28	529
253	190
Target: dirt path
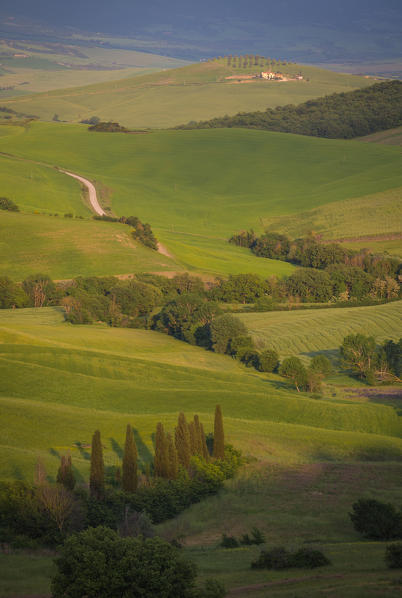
93	200
281	582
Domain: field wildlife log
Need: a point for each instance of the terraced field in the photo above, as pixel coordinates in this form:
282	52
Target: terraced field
60	382
307	332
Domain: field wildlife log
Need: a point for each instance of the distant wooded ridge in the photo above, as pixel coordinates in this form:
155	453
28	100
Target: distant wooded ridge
337	116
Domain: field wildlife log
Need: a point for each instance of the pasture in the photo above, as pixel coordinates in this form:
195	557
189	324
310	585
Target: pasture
196	188
194	92
60	382
307	332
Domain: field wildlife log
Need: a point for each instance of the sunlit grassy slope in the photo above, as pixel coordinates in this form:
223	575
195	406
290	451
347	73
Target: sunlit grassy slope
196	188
307	332
60	382
194	92
66	247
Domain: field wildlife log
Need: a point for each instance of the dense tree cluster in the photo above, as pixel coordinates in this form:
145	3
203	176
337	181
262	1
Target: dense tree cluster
341	115
107	127
347	273
370	362
376	520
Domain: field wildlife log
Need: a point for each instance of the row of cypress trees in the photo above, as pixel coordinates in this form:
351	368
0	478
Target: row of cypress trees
171	452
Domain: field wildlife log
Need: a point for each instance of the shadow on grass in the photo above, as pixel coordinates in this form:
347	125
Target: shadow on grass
116	448
144	453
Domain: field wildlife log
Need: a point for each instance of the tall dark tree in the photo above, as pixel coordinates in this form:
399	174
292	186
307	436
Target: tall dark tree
65	474
182	441
205	451
130	477
219	436
198	436
172	458
97	475
161	459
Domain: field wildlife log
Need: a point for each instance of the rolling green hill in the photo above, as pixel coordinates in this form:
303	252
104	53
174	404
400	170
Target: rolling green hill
308	332
32	66
197	188
195	92
60	382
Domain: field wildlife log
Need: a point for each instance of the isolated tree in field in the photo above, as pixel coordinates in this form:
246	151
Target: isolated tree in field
161	459
65	474
97	475
172	458
182	441
129	477
219	436
293	369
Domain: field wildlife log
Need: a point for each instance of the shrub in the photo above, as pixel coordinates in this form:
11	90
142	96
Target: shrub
229	542
308	558
212	589
280	558
8	204
393	556
257	537
276	558
376	520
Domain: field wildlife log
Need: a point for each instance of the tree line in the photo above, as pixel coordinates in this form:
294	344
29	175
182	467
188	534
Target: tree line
348	273
338	116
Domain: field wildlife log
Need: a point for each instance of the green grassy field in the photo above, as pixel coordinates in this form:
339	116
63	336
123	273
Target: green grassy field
317	498
307	332
29	67
388	137
254	178
373	214
60	382
194	92
69	247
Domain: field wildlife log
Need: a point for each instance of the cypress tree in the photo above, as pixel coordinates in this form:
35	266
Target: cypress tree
182	441
198	437
65	474
205	451
129	477
193	439
219	437
97	475
161	458
172	454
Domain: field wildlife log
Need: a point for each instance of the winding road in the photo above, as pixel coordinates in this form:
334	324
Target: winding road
93	200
